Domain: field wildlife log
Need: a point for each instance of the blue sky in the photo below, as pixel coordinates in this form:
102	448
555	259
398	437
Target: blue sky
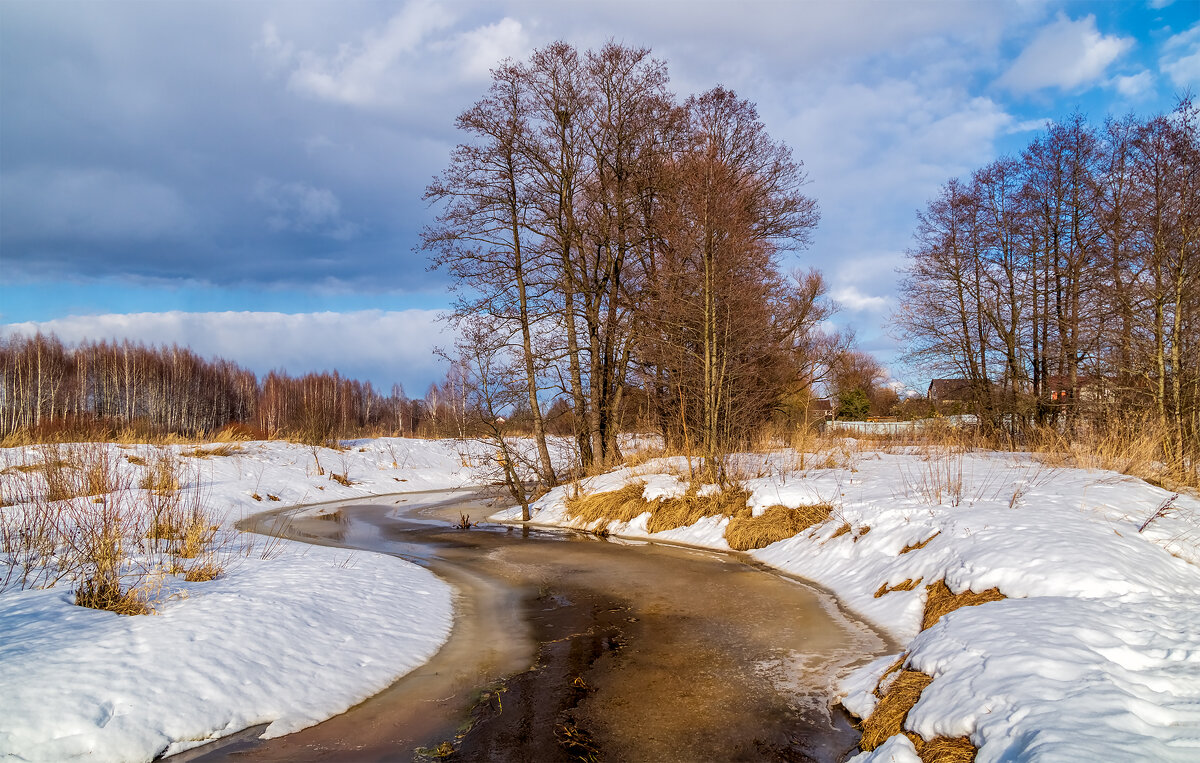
246	177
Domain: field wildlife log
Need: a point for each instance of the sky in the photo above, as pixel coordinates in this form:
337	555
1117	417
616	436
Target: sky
245	177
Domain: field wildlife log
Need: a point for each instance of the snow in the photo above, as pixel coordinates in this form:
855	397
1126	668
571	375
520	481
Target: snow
290	635
287	642
1095	652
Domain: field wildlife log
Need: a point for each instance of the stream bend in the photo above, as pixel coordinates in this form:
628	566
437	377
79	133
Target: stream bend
569	647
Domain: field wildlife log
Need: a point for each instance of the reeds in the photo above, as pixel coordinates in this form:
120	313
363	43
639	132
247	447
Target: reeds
77	517
891	713
940	600
743	532
776	523
623	505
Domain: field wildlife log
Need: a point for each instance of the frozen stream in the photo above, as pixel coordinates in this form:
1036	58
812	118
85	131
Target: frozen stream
569	647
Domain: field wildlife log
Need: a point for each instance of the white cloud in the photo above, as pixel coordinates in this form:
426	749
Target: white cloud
1027	125
1134	85
364	73
850	298
481	49
1066	55
379	345
301	208
1181	58
416	53
90	204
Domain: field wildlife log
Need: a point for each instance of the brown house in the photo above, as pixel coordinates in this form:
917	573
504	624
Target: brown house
949	393
1091	388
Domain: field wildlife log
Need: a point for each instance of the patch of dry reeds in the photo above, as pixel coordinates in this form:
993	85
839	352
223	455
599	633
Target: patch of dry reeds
945	749
919	545
203	572
907	585
112	596
220	450
892	709
623	505
776	523
113	547
162	473
691	507
941	601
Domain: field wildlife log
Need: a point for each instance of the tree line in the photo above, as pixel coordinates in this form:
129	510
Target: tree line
614	247
100	389
1063	284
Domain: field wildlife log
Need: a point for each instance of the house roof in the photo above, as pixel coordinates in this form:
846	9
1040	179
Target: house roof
949	389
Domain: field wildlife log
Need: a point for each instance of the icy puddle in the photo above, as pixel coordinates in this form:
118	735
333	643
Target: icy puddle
569	647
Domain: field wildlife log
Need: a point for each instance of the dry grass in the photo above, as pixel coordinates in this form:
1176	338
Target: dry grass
941	601
893	708
622	505
907	585
203	572
775	524
221	450
162	474
945	749
111	596
892	711
920	545
197	535
691	507
111	548
627	503
341	479
843	530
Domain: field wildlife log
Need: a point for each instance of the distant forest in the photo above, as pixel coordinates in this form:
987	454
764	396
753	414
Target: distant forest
49	390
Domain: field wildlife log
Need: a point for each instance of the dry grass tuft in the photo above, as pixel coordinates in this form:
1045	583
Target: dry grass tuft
941	601
102	594
341	479
203	572
775	524
892	710
844	529
162	475
622	505
907	585
224	449
197	535
691	507
627	504
945	749
922	544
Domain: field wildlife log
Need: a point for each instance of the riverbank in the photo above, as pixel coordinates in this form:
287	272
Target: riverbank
286	636
1083	637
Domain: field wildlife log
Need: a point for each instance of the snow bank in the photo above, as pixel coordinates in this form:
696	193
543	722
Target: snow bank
288	640
1095	654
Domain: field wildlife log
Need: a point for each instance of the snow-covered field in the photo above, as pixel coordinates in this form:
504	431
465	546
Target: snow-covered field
286	640
1095	652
